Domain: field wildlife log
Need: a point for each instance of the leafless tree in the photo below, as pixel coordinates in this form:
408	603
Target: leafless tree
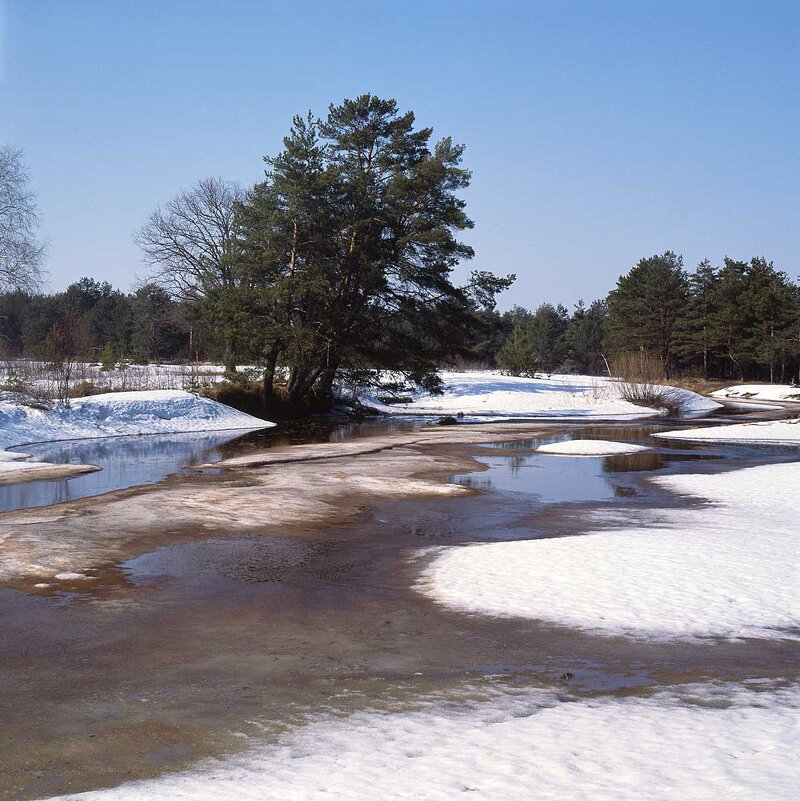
189	244
21	255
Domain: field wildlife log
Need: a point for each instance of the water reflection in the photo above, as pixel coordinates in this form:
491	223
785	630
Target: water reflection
133	461
125	462
551	479
569	479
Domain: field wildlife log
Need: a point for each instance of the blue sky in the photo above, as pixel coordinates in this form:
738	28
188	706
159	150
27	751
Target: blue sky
597	132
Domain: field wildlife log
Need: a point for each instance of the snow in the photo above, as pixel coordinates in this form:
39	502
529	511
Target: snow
73	577
590	447
118	414
489	393
729	570
702	743
111	415
770	392
776	432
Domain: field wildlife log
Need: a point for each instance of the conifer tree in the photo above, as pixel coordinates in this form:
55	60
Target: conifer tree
644	309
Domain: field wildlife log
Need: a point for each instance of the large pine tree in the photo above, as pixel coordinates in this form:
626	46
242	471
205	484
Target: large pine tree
349	244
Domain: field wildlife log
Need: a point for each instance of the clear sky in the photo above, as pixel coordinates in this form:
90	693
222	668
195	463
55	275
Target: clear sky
597	132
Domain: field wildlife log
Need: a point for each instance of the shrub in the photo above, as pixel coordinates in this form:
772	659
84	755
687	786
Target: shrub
638	376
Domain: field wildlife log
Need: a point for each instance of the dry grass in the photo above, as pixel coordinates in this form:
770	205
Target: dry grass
640	380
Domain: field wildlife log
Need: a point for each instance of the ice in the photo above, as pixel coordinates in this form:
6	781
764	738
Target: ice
728	569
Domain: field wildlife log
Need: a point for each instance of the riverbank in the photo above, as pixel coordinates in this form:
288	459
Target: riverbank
229	609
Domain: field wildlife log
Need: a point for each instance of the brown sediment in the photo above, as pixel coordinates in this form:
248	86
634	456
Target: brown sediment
305	484
277	592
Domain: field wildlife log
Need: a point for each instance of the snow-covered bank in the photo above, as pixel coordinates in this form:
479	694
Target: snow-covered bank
729	570
590	447
776	432
118	414
111	415
489	393
767	392
699	742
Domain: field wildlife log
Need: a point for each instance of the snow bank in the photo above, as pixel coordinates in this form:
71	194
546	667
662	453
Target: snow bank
777	432
769	392
723	742
488	393
590	447
730	570
111	415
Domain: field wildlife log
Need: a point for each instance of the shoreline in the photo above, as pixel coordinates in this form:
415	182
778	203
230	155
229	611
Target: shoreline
235	625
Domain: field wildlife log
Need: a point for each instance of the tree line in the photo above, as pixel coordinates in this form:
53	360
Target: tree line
739	320
342	258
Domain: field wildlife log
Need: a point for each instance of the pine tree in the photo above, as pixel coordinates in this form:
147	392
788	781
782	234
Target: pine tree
349	245
644	308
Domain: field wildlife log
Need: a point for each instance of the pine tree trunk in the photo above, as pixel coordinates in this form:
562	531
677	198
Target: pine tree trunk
268	385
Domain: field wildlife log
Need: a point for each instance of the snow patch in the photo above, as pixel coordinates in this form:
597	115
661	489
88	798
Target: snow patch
590	447
489	393
777	432
728	571
73	577
692	742
770	392
112	415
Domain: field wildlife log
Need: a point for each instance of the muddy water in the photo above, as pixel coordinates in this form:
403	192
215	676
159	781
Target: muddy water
174	655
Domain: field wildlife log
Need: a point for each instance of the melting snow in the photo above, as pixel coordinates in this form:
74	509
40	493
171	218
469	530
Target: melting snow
111	415
488	393
698	742
726	570
777	432
590	447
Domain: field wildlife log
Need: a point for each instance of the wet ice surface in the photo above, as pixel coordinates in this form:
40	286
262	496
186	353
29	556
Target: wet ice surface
704	742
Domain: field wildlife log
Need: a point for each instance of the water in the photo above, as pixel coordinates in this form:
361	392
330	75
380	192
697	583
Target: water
134	461
569	479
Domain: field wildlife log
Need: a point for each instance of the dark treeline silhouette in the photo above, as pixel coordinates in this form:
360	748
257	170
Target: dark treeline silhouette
92	321
738	321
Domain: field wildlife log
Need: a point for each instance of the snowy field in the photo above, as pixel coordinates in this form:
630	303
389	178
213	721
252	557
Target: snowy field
112	415
43	378
775	432
728	570
765	392
699	742
488	393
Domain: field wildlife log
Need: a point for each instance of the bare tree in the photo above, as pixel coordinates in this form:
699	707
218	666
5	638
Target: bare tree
189	244
21	255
